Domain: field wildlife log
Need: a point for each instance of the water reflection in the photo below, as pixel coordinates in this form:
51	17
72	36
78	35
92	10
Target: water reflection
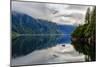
44	49
26	44
87	48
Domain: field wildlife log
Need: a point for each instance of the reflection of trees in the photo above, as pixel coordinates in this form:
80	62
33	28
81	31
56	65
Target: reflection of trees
84	36
83	47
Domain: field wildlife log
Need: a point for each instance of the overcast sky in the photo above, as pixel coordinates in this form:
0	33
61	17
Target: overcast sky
58	13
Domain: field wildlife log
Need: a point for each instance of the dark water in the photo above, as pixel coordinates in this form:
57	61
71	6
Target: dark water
24	45
88	49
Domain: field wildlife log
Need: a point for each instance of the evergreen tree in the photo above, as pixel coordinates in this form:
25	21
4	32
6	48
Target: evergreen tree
87	17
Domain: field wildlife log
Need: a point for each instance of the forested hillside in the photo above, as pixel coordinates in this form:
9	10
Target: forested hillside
24	24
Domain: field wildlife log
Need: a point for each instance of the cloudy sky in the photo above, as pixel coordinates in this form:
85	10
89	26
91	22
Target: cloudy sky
58	13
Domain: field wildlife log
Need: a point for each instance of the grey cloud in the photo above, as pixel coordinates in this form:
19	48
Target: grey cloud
36	10
50	11
77	7
53	11
74	15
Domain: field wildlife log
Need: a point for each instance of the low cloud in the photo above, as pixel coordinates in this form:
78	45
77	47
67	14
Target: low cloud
77	7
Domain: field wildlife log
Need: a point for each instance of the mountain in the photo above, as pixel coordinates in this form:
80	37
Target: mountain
66	29
24	24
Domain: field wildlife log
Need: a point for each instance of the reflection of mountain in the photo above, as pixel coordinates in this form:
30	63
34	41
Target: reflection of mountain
24	45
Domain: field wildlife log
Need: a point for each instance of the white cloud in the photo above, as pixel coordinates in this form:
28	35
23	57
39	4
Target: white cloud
68	14
36	10
58	13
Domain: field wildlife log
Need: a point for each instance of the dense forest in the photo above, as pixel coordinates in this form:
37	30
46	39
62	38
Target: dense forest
84	36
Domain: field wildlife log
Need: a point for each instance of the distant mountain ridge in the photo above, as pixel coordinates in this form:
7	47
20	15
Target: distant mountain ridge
24	24
66	29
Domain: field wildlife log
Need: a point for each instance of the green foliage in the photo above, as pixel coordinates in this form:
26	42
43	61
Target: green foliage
88	29
87	17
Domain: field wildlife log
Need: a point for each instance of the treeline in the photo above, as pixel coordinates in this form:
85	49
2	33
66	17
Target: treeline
88	29
83	38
